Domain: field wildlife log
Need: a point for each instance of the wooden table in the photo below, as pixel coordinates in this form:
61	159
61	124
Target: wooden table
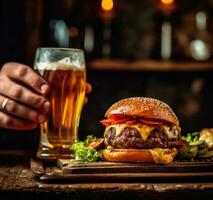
17	180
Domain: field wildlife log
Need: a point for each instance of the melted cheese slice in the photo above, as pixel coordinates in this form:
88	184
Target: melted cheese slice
144	130
163	156
168	132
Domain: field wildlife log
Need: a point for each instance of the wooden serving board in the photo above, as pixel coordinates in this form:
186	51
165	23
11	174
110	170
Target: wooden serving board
103	167
79	172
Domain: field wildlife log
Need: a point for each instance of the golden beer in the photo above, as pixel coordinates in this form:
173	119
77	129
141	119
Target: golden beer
67	84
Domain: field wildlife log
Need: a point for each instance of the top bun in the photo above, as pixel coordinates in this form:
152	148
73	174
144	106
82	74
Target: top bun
143	107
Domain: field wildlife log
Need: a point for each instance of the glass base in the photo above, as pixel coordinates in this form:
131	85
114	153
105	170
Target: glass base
47	153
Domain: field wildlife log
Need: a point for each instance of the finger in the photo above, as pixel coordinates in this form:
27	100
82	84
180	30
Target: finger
88	88
10	122
23	95
16	109
24	74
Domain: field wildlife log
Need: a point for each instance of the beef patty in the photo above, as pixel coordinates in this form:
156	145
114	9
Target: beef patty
130	138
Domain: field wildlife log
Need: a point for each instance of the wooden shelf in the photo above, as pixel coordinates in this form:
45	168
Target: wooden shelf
149	65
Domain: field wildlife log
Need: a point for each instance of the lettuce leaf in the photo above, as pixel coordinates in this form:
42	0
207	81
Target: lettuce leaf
86	154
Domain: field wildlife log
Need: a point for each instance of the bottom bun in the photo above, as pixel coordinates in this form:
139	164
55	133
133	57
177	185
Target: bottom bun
157	155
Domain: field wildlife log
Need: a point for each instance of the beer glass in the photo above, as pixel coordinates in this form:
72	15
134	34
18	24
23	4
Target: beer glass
64	70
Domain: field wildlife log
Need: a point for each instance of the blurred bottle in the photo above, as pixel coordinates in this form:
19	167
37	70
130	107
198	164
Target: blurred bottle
63	23
164	42
200	45
167	7
193	38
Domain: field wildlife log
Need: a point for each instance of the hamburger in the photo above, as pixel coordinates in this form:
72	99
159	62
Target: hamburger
141	129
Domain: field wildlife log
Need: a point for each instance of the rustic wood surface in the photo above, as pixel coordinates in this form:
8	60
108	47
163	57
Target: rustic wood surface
16	178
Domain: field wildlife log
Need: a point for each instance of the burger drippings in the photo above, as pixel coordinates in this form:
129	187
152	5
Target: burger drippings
163	156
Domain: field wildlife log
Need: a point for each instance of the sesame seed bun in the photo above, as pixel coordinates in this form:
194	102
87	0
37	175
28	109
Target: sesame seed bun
143	107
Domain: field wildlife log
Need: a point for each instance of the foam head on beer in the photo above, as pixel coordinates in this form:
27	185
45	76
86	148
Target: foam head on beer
63	64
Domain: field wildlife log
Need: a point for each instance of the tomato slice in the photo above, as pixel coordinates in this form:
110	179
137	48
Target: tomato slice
149	122
106	122
116	116
122	119
131	122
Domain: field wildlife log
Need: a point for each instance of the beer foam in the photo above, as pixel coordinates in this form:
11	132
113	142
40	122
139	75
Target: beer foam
63	64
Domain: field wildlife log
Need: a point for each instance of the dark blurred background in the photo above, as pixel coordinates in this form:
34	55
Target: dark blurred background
155	48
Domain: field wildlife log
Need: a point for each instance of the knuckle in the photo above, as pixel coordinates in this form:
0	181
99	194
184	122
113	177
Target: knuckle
16	92
32	115
21	70
37	101
2	83
5	66
35	82
8	122
1	79
12	107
